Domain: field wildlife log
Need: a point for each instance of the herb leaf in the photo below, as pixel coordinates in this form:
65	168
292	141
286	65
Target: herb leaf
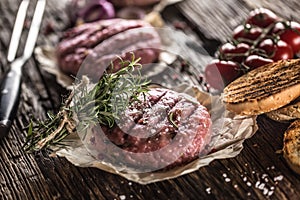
85	107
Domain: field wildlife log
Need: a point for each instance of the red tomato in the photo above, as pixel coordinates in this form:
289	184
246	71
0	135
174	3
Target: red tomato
255	61
233	52
262	17
219	73
279	51
290	35
246	32
279	27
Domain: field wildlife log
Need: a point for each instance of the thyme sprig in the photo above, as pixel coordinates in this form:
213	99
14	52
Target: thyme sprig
86	106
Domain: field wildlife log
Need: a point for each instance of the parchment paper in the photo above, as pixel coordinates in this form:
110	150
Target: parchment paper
229	130
229	133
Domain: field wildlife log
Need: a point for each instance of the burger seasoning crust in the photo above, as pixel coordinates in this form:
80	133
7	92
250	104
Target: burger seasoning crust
91	41
162	131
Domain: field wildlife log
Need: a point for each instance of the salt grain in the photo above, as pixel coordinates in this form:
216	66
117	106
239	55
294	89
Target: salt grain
208	190
249	184
270	193
261	186
266	180
122	197
129	183
257	184
224	175
248	194
278	178
227	180
245	179
264	176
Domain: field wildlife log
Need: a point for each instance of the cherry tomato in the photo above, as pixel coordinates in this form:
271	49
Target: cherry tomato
233	52
278	28
262	17
290	34
219	73
255	61
246	32
276	51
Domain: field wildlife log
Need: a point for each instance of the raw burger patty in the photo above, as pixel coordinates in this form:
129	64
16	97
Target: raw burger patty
165	129
134	2
98	43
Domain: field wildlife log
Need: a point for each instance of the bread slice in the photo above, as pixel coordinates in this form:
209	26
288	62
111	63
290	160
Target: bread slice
286	113
291	146
264	89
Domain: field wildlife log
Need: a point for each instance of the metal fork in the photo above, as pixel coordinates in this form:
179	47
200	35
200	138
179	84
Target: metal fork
10	87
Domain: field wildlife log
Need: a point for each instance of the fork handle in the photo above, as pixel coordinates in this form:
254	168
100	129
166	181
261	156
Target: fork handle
10	89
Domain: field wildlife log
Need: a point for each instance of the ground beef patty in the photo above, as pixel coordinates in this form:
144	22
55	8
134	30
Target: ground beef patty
133	2
163	130
98	43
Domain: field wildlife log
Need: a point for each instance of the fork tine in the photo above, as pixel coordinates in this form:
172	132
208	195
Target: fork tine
10	87
34	28
17	30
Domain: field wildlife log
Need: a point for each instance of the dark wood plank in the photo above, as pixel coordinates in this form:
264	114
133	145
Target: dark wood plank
215	19
259	155
257	170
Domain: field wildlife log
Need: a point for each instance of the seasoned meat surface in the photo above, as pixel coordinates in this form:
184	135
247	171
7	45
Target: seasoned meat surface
134	2
91	47
163	130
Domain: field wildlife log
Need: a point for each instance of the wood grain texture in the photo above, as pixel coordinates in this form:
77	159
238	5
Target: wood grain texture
216	19
257	173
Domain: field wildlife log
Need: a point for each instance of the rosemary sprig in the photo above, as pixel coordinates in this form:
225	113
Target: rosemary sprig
84	107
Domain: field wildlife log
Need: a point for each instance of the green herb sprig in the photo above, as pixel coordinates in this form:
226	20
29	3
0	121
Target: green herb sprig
85	107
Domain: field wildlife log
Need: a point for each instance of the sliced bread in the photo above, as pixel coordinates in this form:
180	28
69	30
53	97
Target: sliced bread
264	89
291	146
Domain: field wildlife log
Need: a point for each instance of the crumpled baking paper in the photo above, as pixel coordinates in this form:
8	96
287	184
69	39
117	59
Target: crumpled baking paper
229	133
229	130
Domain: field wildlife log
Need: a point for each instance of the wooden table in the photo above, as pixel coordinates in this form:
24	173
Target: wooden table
259	172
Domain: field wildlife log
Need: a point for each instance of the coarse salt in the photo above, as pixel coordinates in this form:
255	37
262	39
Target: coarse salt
257	184
270	193
227	180
208	190
261	186
278	178
264	176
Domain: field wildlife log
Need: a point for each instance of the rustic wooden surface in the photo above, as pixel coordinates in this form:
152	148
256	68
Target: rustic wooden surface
259	172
